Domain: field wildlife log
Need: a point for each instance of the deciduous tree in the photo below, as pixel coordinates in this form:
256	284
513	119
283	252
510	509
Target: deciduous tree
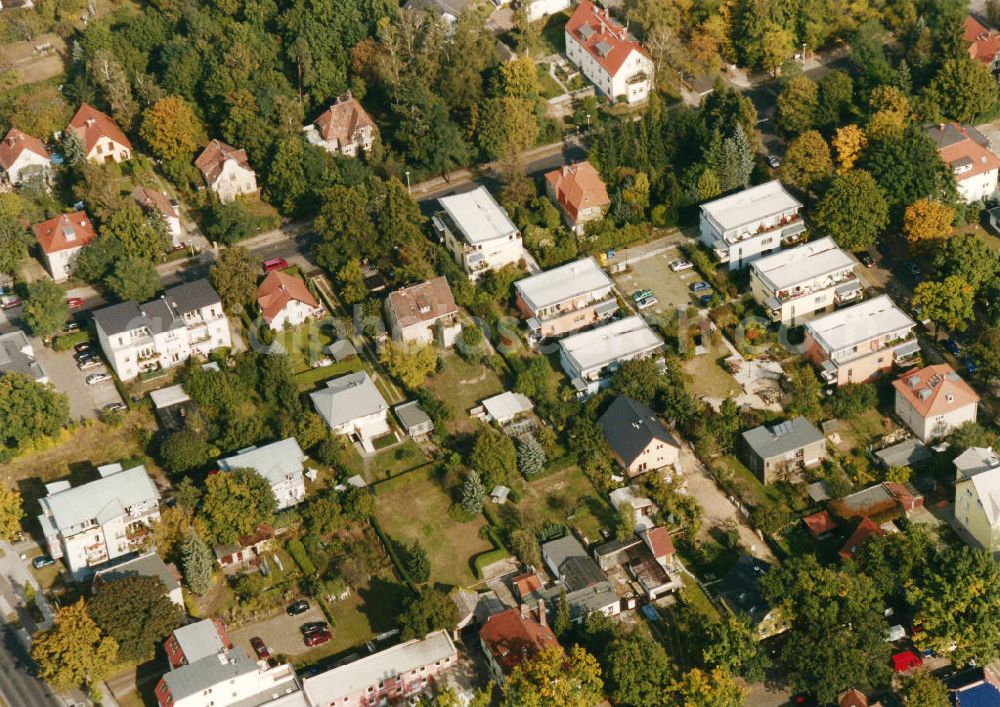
907	168
964	90
430	610
184	450
137	613
807	161
849	142
551	677
11	512
133	278
494	456
45	310
922	688
171	128
236	502
697	688
73	653
234	277
797	105
410	364
28	411
853	210
733	646
967	255
948	302
926	219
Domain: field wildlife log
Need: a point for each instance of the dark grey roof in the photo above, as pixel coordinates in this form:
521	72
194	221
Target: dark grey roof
342	349
576	569
629	426
413	417
781	438
906	453
160	314
149	565
193	295
207	672
119	318
740	589
945	134
14	360
582	602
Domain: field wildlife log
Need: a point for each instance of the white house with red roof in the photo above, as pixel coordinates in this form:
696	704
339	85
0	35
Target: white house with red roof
345	127
607	56
150	201
285	301
983	44
227	171
61	238
967	152
23	156
100	137
934	400
580	193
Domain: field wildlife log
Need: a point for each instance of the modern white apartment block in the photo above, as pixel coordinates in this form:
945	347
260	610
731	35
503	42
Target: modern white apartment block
280	463
478	232
589	357
187	320
749	224
615	63
796	283
860	342
565	299
93	524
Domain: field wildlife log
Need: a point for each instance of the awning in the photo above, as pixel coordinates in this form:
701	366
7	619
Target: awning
793	230
606	309
533	324
849	288
907	349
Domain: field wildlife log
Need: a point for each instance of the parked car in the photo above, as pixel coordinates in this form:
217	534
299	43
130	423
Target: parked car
43	561
679	265
275	264
89	363
316	638
866	259
297	607
71	327
95	378
970	365
74	302
640	295
83	347
313	626
952	347
114	407
9	302
913	269
646	302
774	161
85	356
699	286
257	643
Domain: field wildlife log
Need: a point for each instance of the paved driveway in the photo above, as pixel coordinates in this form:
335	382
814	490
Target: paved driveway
649	269
84	400
281	633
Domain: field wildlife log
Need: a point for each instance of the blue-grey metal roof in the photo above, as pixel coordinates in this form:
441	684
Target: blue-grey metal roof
782	438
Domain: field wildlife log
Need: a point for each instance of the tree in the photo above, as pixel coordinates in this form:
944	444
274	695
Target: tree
971	434
797	105
637	670
234	277
948	302
510	127
236	502
530	456
697	688
409	363
137	613
171	530
778	43
922	688
11	512
13	243
429	610
139	238
45	310
708	186
198	563
563	620
524	543
639	379
853	210
733	646
956	600
836	99
927	219
551	677
907	168
171	128
417	562
964	90
473	494
228	223
739	155
849	142
133	279
28	411
351	282
73	653
494	456
807	161
184	450
967	255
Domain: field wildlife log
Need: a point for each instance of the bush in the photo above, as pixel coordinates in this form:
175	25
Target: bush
298	553
853	399
64	342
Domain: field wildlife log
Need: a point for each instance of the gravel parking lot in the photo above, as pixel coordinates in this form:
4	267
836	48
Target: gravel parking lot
653	273
281	633
84	400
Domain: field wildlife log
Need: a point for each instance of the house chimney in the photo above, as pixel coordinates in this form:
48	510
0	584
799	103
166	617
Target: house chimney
91	122
541	613
941	127
524	611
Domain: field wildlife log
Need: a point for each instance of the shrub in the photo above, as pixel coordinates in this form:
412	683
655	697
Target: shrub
298	553
64	342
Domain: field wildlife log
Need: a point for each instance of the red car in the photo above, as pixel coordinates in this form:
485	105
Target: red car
275	264
316	638
257	643
74	302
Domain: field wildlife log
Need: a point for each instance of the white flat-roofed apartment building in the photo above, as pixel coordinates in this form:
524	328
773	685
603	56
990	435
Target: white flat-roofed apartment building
589	356
795	283
566	298
478	232
387	676
856	344
97	522
744	226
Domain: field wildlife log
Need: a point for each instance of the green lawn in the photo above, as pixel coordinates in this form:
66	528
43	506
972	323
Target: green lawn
419	511
550	87
463	385
569	498
390	462
698	600
708	377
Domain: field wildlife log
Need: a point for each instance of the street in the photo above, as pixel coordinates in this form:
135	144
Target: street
17	687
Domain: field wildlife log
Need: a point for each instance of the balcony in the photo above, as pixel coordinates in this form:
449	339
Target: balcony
721	254
639	77
148	357
846	279
790	225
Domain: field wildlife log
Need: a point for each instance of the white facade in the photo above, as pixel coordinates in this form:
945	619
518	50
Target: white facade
294	313
478	232
749	224
107	149
606	56
934	426
588	357
234	180
537	9
30	162
280	463
978	187
61	263
795	283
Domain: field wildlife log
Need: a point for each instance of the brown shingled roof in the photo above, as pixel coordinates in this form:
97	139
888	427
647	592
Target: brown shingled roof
150	198
424	302
16	142
343	119
866	528
214	156
90	125
512	638
277	290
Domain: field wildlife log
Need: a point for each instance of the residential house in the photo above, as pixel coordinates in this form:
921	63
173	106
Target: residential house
794	284
280	463
642	507
967	152
247	553
512	636
537	9
227	171
749	224
187	320
975	460
478	232
18	356
648	558
99	521
61	239
883	500
740	593
157	202
389	676
589	357
206	670
570	564
100	138
773	451
506	407
977	507
565	299
353	406
934	400
447	10
425	313
861	342
580	192
638	440
865	529
610	59
24	157
285	301
983	44
171	405
344	128
147	565
415	422
820	525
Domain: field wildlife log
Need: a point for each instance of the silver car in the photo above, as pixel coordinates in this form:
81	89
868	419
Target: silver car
95	378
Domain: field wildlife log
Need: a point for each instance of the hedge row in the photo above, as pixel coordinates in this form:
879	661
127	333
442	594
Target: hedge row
391	551
64	342
301	557
488	558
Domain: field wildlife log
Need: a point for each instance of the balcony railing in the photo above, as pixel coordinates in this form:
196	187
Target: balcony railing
785	296
763	230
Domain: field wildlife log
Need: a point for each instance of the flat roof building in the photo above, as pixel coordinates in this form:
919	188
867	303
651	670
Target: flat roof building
589	356
478	232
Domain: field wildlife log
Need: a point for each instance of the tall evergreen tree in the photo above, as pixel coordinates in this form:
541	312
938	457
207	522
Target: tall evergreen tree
530	455
198	563
472	494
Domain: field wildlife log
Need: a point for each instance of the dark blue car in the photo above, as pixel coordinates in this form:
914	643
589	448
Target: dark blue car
952	347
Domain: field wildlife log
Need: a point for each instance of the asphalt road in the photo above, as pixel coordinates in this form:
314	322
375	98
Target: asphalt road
17	687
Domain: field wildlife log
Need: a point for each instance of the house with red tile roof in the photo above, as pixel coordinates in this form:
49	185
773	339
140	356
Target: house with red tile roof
424	313
61	238
100	137
285	301
934	400
227	171
820	525
580	193
967	152
150	201
866	528
23	156
614	62
345	127
513	636
983	44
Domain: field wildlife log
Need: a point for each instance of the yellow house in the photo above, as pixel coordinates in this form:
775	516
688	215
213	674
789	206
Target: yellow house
977	507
